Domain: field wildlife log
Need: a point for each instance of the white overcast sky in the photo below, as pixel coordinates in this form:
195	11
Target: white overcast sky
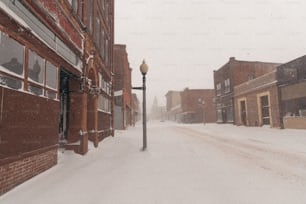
183	41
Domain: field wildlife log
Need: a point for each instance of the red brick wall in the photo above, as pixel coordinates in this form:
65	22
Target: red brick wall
123	78
119	65
17	172
27	123
238	71
104	124
243	69
252	105
190	103
75	111
64	21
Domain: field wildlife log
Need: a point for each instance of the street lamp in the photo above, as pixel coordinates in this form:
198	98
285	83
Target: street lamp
144	69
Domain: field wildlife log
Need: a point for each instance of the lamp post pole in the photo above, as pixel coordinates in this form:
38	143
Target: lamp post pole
143	70
144	116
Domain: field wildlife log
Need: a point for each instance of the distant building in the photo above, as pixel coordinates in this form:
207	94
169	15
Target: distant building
173	106
157	112
191	106
232	74
198	106
292	87
122	88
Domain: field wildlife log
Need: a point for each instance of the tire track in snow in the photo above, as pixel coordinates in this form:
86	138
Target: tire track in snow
289	165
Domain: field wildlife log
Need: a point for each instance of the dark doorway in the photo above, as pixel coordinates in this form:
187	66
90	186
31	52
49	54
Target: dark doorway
265	110
224	115
64	106
243	112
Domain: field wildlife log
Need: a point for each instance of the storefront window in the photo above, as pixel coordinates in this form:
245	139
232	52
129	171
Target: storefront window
51	75
11	61
42	76
12	55
36	67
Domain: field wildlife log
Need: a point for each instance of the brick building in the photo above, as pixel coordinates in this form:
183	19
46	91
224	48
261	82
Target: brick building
122	88
292	86
191	106
231	74
198	106
173	105
257	101
55	82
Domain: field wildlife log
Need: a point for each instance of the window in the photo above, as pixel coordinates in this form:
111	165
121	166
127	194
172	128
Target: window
90	15
106	10
104	104
74	5
51	76
100	80
42	76
227	86
98	33
218	89
102	46
12	62
36	66
118	100
106	53
36	73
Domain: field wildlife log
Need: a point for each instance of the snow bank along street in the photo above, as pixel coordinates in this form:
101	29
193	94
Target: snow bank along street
183	164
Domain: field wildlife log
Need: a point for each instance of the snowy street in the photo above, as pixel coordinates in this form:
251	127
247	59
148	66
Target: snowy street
183	164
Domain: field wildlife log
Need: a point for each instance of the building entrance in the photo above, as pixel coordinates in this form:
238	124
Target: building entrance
243	112
64	106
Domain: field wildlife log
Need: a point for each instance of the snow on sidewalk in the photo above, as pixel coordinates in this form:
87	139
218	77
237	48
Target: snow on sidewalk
183	164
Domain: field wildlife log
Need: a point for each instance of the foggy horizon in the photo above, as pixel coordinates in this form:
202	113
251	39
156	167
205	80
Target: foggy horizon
183	42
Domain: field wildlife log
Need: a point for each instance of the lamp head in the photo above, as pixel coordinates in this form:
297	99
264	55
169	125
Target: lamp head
144	68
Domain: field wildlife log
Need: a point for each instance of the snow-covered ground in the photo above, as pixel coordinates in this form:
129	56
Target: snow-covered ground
183	164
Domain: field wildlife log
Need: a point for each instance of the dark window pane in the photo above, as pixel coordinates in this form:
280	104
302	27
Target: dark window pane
35	90
51	94
10	82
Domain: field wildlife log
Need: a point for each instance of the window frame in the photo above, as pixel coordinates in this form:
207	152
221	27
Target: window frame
218	89
227	85
26	81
